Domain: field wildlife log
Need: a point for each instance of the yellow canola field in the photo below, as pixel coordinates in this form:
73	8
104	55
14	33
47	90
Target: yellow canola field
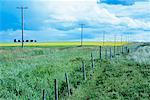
65	44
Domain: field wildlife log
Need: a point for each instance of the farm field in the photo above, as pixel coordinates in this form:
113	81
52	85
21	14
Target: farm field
74	50
25	73
66	44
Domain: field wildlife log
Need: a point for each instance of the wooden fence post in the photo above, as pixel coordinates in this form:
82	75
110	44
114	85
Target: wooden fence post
106	53
118	50
84	72
43	96
122	49
67	82
92	61
110	53
100	52
114	51
128	50
56	89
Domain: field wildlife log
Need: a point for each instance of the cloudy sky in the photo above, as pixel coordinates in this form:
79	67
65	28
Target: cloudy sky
59	20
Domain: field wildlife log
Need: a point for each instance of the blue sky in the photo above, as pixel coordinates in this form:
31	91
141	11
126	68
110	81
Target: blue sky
59	20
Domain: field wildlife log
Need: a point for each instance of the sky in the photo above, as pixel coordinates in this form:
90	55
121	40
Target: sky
60	20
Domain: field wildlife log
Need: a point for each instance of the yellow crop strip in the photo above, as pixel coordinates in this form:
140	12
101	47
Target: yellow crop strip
65	44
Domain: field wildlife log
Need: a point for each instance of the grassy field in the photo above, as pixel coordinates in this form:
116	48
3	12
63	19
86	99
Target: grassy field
24	73
67	44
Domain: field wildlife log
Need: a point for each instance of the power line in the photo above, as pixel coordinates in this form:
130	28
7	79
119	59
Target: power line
22	22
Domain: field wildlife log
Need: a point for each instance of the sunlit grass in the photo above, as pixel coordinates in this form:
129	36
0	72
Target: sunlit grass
67	44
26	72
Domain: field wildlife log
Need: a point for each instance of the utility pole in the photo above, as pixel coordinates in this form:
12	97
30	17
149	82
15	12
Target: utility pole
22	22
115	44
115	39
82	26
103	38
121	40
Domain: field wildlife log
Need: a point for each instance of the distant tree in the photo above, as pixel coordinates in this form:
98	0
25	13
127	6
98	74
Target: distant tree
31	40
35	41
19	41
15	40
27	40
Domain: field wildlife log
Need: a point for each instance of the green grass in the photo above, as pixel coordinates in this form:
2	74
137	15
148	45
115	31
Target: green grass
29	70
26	72
117	80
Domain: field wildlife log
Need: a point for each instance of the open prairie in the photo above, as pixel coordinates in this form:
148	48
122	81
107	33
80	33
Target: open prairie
74	49
29	73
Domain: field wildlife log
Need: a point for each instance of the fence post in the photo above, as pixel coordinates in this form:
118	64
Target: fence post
110	53
106	53
43	96
92	61
122	49
118	50
67	81
84	72
114	51
100	52
56	89
128	50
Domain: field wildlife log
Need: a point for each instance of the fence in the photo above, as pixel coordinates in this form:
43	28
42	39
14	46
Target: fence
108	55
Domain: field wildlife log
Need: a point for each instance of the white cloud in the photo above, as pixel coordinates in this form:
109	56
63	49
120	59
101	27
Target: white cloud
80	11
134	23
88	12
60	16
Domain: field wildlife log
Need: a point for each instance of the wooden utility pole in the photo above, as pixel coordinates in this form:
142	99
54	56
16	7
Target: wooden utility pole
22	22
121	39
114	45
82	26
122	46
103	38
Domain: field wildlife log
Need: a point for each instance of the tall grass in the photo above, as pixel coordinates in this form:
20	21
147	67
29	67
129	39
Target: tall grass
26	72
